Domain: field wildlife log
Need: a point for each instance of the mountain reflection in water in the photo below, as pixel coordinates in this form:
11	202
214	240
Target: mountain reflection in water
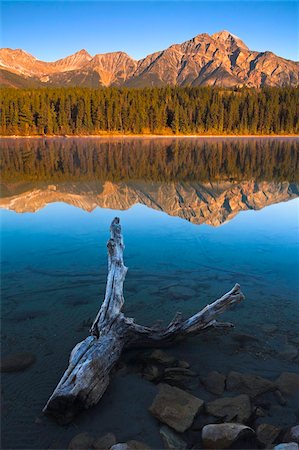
201	180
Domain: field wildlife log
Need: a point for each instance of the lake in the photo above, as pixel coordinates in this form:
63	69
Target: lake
198	215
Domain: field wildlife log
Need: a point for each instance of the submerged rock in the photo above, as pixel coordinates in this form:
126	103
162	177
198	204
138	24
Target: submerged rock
214	382
181	377
231	408
152	373
245	339
81	441
181	292
288	383
223	435
28	315
288	352
17	362
137	445
160	357
280	398
179	372
251	385
171	439
175	407
183	364
267	434
269	328
104	442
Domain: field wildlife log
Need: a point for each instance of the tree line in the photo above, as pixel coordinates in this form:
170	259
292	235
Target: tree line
163	160
167	110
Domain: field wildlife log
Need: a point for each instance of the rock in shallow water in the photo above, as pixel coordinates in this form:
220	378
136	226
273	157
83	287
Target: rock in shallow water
231	408
17	362
183	364
214	382
137	445
223	435
152	372
288	352
245	339
181	293
267	434
104	442
175	407
251	385
180	377
288	383
159	357
269	328
171	439
81	441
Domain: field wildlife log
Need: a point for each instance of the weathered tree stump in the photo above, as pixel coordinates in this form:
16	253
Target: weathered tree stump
91	361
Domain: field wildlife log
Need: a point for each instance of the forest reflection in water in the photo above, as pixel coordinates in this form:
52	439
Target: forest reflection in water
201	180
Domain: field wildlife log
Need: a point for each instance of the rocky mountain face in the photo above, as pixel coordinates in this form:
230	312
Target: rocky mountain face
221	59
212	204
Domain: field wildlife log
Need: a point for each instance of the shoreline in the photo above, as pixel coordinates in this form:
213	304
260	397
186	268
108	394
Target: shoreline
152	136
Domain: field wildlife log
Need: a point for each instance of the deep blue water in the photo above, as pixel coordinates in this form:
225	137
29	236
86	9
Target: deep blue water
53	279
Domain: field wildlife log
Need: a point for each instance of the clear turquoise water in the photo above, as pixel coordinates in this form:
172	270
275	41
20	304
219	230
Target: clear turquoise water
53	279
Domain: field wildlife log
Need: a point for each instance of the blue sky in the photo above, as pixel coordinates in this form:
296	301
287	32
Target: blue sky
51	30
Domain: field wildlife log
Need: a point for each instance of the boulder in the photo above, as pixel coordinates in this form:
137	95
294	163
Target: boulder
288	383
223	435
104	442
251	385
267	434
214	382
17	362
231	408
171	439
287	446
175	407
82	441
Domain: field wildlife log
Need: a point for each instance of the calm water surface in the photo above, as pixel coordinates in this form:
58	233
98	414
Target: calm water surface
197	216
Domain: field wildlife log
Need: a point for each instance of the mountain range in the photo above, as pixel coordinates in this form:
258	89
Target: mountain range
221	59
200	203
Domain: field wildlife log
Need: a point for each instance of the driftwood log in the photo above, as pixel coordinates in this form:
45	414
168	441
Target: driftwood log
91	361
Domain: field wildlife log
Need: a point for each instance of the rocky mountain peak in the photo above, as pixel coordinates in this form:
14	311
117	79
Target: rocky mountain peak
226	37
221	59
